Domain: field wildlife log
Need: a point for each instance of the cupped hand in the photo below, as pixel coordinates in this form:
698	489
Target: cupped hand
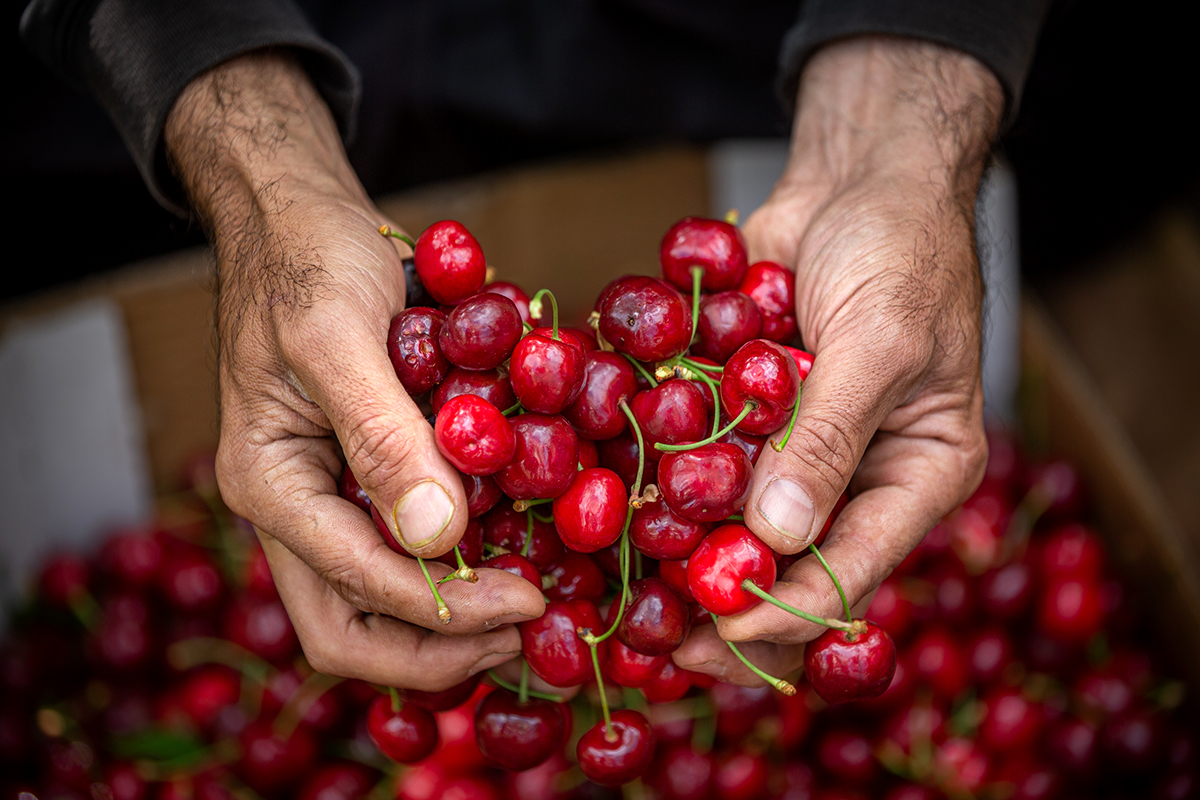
875	213
307	288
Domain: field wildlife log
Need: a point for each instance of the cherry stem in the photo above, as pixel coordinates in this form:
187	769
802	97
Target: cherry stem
514	408
522	505
395	698
535	310
549	518
523	691
782	443
696	365
387	231
623	558
759	592
637	484
443	609
712	387
697	277
527	545
642	369
834	578
674	448
464	571
778	683
503	684
609	734
85	608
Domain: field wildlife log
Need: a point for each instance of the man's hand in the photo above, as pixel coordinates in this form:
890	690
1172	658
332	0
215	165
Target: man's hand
875	212
307	288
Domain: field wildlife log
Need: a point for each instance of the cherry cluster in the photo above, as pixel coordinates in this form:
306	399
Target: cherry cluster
619	452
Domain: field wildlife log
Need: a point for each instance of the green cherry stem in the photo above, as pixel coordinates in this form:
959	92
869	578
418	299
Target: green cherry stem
640	367
547	519
443	609
395	698
697	277
386	230
716	393
778	683
674	448
503	684
463	573
513	409
758	592
696	365
836	582
782	443
623	559
637	484
609	734
527	545
535	310
523	505
523	691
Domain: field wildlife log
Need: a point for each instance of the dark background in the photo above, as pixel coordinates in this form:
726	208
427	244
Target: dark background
1103	141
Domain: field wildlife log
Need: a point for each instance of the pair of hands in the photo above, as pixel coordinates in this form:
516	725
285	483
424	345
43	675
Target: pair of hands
875	214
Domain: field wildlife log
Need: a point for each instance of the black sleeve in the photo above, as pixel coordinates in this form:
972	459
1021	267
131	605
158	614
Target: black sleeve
136	56
1002	35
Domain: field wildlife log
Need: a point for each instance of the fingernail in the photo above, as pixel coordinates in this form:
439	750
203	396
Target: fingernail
508	619
422	513
491	660
787	508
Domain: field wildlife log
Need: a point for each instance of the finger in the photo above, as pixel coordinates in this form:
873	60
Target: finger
338	639
706	652
904	487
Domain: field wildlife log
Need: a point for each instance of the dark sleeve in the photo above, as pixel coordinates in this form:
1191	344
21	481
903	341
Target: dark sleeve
136	56
1002	35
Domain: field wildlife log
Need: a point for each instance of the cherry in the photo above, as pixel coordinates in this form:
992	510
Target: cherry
608	379
63	579
675	575
656	619
1072	744
1071	610
590	514
730	555
456	732
514	293
953	591
350	489
616	752
449	262
1011	722
1071	551
762	373
1030	779
1006	593
727	321
490	384
262	627
741	775
671	413
646	318
547	454
546	373
749	442
323	710
938	661
669	685
1103	691
772	288
660	533
340	780
740	709
519	735
961	766
256	575
707	484
574	577
848	756
989	653
682	773
589	456
190	581
482	493
552	643
440	701
131	556
620	454
412	345
1133	741
509	530
474	436
406	734
206	692
630	668
842	666
481	331
520	566
270	762
716	246
891	609
1058	487
124	782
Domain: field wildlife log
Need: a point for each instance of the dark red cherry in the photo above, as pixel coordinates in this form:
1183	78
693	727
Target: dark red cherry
413	347
575	577
616	753
763	373
449	262
474	436
1030	778
546	373
715	571
1006	592
406	735
842	666
740	709
962	766
682	773
848	756
1011	721
350	489
589	456
261	626
481	331
989	653
590	514
727	321
482	493
646	318
1058	487
509	530
656	619
552	645
1103	691
1071	610
131	556
517	565
1071	551
937	659
716	246
514	293
671	413
546	459
1073	745
270	762
772	288
891	609
750	443
669	685
340	780
675	574
660	533
190	581
608	380
124	781
517	736
1133	741
707	484
630	668
490	384
741	775
620	454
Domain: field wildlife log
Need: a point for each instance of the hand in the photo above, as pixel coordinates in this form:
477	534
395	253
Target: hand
875	212
306	289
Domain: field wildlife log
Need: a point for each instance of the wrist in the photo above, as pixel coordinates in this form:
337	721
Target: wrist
895	106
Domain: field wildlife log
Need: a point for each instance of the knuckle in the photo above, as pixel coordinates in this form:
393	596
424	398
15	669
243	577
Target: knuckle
827	445
378	447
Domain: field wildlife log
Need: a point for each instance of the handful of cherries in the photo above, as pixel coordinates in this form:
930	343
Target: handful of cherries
623	450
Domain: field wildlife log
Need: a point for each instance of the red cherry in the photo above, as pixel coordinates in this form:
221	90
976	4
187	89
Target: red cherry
546	458
490	384
646	318
449	261
741	776
1011	721
412	345
131	556
614	754
660	533
576	577
1071	551
683	774
842	666
552	645
670	413
706	484
481	331
517	736
262	627
848	756
740	709
989	653
474	436
656	619
509	530
340	780
517	565
546	373
675	574
730	555
763	373
1071	609
191	581
63	579
1072	744
444	700
772	288
937	660
124	782
206	692
727	321
714	245
1005	593
608	379
630	668
669	685
482	493
590	514
1058	485
891	609
962	767
405	735
269	762
514	293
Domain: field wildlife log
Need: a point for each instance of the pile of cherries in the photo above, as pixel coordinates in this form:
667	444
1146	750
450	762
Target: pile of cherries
609	469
